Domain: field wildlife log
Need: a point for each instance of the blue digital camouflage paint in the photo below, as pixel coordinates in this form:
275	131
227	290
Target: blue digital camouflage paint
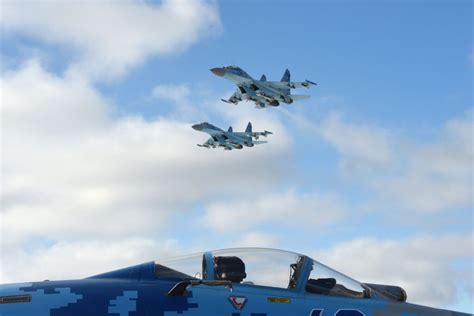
234	282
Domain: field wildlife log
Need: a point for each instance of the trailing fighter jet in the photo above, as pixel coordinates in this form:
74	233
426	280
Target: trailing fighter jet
264	93
231	282
230	139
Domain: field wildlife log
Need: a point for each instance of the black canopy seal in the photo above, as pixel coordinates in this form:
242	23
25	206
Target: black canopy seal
180	288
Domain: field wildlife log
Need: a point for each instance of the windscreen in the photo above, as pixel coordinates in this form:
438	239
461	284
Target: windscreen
326	281
186	267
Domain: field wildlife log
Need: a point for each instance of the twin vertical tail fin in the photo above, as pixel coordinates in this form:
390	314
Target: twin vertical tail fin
286	76
263	78
248	130
230	130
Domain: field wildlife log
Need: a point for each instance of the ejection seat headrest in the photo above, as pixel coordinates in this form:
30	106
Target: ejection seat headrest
229	268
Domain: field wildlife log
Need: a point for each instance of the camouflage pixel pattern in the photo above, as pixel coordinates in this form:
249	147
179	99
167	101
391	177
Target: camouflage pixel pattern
138	291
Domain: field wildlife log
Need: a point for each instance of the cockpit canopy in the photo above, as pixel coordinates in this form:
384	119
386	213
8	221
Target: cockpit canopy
237	71
262	267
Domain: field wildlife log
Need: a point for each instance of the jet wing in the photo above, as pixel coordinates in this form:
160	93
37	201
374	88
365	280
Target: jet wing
224	140
214	141
291	85
255	135
261	102
209	143
234	98
236	138
248	90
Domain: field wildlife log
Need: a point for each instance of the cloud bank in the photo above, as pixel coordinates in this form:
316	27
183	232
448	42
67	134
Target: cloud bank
110	37
69	166
418	177
427	267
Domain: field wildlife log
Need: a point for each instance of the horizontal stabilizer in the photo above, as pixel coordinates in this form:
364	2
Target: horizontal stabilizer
304	84
296	97
291	85
258	142
257	135
226	101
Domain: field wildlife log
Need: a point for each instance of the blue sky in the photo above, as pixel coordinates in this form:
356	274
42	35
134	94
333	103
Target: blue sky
97	149
417	54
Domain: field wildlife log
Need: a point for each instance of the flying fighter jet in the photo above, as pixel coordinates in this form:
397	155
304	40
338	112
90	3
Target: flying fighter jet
230	139
264	93
231	282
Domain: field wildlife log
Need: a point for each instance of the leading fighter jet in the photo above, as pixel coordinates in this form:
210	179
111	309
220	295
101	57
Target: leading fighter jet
230	139
264	93
230	282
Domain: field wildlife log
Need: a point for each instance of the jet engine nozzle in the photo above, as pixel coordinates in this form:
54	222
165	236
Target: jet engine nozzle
274	103
287	99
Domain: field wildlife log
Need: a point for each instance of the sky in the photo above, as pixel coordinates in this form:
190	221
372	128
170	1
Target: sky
373	175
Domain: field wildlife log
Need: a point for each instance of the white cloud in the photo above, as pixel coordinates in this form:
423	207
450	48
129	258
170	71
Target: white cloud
257	239
39	104
112	36
183	101
313	209
71	169
424	266
176	93
437	176
362	148
79	259
418	176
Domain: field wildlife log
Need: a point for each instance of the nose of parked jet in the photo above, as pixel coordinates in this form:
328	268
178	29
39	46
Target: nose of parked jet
197	127
218	71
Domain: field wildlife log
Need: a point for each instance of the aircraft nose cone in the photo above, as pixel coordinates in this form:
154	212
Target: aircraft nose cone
197	127
218	71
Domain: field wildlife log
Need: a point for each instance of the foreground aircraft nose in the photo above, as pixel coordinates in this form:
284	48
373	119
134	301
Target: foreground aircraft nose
218	71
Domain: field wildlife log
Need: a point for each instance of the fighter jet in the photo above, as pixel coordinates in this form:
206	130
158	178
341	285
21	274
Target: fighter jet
229	282
230	140
262	92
